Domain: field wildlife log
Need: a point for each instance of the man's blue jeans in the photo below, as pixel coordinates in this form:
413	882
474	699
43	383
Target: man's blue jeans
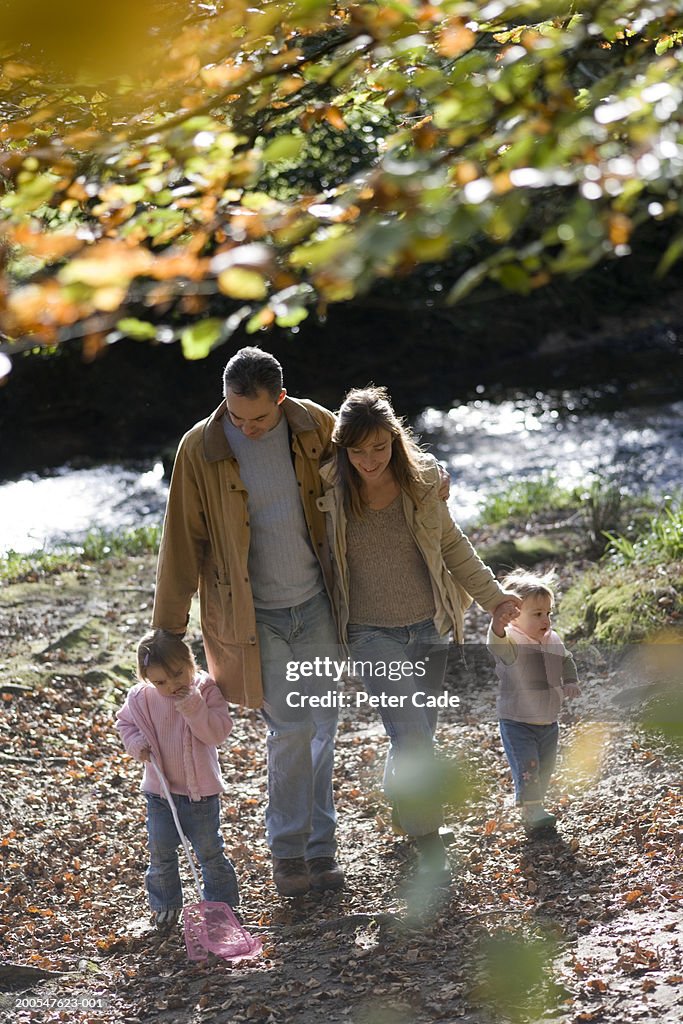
300	816
411	778
199	820
531	751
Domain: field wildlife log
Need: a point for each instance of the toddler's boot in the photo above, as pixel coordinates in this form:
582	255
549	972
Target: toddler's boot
433	863
535	817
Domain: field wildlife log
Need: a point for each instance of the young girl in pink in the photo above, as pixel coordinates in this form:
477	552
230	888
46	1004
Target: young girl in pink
176	716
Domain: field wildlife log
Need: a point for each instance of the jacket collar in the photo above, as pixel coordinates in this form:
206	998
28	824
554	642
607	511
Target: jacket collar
520	635
216	445
328	472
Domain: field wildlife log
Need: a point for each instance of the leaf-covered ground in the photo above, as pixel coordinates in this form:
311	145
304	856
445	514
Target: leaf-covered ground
585	926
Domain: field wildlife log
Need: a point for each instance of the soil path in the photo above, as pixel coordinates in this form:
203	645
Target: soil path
594	910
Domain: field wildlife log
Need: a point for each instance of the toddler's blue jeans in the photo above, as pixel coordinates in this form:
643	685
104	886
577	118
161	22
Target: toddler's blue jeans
531	751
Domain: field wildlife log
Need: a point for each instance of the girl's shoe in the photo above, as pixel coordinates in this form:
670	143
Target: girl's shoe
164	920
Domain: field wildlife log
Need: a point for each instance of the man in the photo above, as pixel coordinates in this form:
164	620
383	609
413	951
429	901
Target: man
242	527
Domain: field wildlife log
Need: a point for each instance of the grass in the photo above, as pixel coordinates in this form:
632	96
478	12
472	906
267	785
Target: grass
97	546
634	591
659	539
527	497
631	593
621	604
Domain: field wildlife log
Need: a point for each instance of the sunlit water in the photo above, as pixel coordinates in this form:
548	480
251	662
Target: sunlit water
486	447
42	511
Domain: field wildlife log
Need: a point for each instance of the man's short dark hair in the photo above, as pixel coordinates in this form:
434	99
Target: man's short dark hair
252	370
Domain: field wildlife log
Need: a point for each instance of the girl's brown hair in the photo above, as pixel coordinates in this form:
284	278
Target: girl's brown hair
167	650
363	412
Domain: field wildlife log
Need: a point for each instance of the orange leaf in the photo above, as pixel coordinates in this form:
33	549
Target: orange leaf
620	228
455	39
334	117
14	70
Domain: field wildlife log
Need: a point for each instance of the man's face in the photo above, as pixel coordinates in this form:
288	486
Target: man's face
255	416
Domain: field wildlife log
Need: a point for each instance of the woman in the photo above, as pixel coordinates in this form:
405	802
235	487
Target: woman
405	574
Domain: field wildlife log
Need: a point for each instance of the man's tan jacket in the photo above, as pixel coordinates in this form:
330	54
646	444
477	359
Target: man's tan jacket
205	543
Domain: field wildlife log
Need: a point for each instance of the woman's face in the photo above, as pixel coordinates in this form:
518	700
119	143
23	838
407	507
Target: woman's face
372	456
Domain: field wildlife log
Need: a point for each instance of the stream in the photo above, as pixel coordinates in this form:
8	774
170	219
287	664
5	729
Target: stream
486	446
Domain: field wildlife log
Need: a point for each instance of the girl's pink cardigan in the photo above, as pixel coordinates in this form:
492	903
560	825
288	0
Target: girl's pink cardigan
182	735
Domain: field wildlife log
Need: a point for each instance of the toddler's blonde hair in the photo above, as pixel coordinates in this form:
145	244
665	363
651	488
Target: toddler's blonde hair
531	584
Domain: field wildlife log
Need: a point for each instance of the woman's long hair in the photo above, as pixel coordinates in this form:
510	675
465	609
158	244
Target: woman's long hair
363	412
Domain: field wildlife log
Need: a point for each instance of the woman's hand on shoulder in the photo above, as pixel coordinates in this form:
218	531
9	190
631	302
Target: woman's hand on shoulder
433	473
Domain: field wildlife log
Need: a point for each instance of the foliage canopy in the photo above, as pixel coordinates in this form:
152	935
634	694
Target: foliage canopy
181	170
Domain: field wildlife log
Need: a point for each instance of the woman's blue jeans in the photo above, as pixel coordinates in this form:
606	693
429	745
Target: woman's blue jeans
531	751
390	662
300	816
199	820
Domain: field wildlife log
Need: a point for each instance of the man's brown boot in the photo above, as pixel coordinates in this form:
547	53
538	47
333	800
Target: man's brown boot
325	874
290	875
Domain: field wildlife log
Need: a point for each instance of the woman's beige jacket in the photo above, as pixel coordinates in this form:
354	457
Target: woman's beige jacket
457	573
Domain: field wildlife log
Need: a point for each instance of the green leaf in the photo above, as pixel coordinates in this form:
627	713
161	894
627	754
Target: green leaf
239	283
31	194
514	278
198	340
664	714
140	330
292	317
284	147
672	255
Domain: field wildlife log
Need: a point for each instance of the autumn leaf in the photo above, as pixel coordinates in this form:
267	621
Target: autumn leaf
455	38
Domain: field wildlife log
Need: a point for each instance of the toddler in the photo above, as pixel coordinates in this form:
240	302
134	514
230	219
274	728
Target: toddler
177	716
536	672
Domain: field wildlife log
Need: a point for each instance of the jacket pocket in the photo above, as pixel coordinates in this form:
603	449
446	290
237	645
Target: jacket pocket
218	612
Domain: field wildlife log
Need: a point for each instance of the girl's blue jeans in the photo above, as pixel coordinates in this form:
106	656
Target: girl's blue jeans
199	820
531	751
387	659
